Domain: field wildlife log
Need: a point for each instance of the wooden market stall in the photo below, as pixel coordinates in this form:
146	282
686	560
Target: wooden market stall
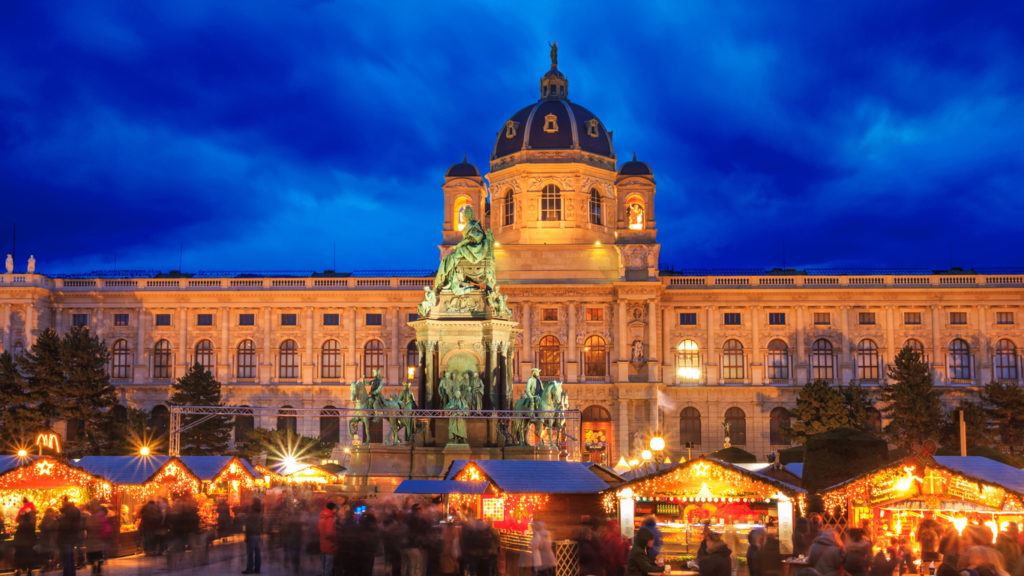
224	477
137	479
943	491
731	499
45	480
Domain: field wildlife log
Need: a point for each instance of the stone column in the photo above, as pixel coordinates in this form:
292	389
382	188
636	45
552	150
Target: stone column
798	360
526	359
30	325
266	361
225	353
890	342
621	342
309	354
667	356
844	346
622	428
756	350
573	365
139	371
180	364
938	351
5	325
58	324
982	360
711	351
394	369
353	354
653	365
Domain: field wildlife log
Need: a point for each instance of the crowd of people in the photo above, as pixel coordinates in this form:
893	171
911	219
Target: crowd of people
67	537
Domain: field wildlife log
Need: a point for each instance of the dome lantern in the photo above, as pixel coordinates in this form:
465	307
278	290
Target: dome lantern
554	84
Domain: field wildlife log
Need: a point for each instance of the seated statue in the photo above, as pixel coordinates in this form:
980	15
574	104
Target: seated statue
476	247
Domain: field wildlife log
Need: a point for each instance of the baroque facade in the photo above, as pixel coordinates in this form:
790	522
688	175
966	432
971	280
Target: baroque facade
641	351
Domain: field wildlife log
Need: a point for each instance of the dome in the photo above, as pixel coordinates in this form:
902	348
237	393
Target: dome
635	168
462	170
553	124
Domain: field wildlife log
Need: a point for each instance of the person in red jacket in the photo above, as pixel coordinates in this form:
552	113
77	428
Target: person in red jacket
614	548
328	536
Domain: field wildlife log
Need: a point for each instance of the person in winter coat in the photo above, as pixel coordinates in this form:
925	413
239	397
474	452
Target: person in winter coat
24	537
756	541
614	549
328	537
858	553
69	532
651	523
48	539
541	550
253	537
589	551
883	566
639	562
826	554
718	559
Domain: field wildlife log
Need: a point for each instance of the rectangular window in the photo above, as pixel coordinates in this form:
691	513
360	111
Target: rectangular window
1004	317
822	318
865	317
120	319
687	318
413	317
79	319
549	314
204	319
777	318
374	319
911	318
330	320
958	317
595	314
163	319
288	320
731	318
246	319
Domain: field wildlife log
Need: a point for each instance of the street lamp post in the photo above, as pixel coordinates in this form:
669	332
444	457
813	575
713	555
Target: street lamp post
658	446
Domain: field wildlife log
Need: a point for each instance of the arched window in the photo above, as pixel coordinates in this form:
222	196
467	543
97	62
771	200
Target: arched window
204	355
121	361
598	434
162	360
732	360
916	346
289	360
635	213
551	203
508	205
778	423
330	431
778	360
689	427
595	413
822	361
159	420
373	358
330	360
550	357
595	357
244	425
688	362
959	360
246	359
1004	361
287	421
874	421
595	207
737	421
412	361
460	214
867	360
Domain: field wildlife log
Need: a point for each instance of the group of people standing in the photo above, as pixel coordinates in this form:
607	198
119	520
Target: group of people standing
66	537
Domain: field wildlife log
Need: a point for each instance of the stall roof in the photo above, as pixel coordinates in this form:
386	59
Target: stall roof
440	487
208	467
123	469
782	486
8	463
537	477
976	468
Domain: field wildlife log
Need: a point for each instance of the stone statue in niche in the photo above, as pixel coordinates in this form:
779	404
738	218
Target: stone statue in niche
444	388
476	392
638	352
456	424
428	303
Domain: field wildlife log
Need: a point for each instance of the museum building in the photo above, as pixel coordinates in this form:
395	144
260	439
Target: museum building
641	351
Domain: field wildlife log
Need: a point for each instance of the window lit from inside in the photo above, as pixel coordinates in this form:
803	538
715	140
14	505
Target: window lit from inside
778	360
732	360
688	362
551	203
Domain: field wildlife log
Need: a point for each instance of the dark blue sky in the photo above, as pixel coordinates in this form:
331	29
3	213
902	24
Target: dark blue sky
257	135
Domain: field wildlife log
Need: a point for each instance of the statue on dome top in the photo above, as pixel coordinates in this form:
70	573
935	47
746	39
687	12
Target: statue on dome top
554	54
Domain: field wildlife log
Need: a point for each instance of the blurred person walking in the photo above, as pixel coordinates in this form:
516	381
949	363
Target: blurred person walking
541	550
98	533
826	554
328	532
69	533
253	537
24	537
639	562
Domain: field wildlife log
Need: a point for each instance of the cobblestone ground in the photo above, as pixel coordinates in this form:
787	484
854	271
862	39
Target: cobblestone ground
223	558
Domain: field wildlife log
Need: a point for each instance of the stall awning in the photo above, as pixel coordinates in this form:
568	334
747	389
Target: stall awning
209	467
535	477
440	487
941	505
123	470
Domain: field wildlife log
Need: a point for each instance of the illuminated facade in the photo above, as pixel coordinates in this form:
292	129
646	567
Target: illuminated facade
641	351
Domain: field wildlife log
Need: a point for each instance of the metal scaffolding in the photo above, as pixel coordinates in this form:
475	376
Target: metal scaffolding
570	441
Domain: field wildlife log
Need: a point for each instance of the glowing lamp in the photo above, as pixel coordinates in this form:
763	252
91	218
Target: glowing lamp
22	453
144	451
626	493
633	462
598	243
960	522
646	455
657	443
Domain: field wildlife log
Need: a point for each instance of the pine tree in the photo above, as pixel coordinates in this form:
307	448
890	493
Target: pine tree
1004	406
912	404
820	407
858	402
86	396
199	388
43	367
19	420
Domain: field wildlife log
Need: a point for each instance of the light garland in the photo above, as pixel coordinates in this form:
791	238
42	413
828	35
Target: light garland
46	469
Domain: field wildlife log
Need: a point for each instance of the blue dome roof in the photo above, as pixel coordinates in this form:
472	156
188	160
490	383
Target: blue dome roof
462	170
635	168
573	127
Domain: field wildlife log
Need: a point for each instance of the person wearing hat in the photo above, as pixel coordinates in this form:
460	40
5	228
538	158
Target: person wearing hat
718	559
639	562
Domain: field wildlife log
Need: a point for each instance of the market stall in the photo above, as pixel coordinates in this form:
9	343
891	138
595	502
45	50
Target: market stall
138	479
224	477
685	498
942	491
45	481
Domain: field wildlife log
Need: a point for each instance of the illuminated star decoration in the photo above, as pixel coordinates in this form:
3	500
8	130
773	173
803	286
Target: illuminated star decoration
701	469
45	468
